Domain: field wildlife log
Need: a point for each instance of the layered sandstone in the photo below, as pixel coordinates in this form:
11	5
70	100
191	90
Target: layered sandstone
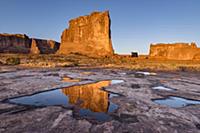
14	43
40	46
88	35
176	51
34	48
21	43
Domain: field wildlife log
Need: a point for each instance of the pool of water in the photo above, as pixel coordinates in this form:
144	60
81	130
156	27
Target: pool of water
146	73
162	88
92	100
176	102
116	82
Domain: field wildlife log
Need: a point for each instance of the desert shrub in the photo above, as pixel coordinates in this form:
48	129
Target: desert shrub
13	61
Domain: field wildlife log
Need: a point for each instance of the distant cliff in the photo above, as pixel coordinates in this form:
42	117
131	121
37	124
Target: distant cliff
14	43
89	35
21	43
176	51
39	46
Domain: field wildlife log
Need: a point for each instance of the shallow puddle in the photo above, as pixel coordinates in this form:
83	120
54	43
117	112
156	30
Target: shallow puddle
146	73
162	88
90	98
176	102
116	82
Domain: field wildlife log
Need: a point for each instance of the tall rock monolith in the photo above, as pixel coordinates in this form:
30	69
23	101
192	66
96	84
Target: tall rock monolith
88	35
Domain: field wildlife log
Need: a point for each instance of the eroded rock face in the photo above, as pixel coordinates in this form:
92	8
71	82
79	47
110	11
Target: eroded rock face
34	48
176	51
14	43
40	46
88	35
21	43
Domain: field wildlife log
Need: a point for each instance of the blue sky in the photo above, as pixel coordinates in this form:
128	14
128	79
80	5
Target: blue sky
135	23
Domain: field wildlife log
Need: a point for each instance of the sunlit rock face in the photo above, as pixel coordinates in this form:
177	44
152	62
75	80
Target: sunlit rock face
34	47
21	43
88	35
176	51
40	46
91	96
14	43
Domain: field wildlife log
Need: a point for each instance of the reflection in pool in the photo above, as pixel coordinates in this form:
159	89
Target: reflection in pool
176	102
93	101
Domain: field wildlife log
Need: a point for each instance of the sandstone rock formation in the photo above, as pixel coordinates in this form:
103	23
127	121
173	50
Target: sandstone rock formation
176	51
88	35
21	43
40	46
34	48
14	43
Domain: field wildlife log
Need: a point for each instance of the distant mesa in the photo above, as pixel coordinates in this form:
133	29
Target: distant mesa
21	43
89	35
14	43
175	51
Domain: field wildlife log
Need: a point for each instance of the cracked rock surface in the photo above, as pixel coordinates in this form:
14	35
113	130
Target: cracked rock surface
136	113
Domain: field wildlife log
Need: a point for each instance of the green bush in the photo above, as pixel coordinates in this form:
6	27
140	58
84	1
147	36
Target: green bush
13	61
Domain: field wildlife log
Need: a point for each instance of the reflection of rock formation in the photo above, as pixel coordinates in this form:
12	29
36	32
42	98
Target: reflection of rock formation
177	51
89	35
92	96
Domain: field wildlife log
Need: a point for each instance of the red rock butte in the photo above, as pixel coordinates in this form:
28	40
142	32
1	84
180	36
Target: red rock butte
176	51
89	35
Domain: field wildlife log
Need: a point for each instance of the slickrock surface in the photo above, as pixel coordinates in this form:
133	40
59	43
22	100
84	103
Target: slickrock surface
21	43
137	113
88	35
177	51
